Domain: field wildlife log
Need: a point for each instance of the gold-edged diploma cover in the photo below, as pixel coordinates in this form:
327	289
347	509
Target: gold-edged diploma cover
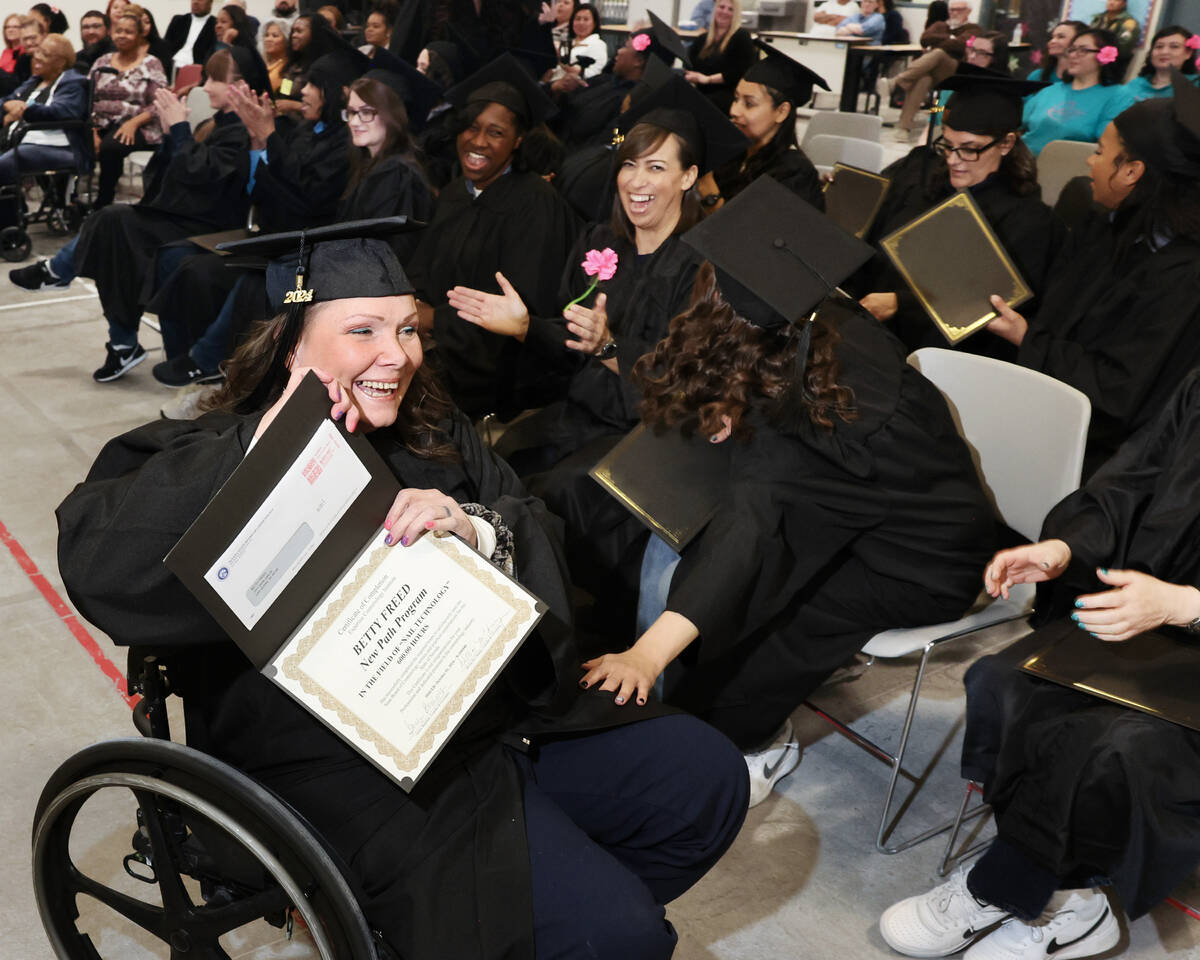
1154	673
672	483
389	646
854	198
953	262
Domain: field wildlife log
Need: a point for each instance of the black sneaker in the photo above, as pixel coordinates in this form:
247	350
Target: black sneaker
36	277
182	371
117	361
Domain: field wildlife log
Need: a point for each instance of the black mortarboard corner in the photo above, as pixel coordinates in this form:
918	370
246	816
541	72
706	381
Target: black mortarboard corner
677	106
665	42
337	262
506	82
790	78
982	100
408	31
339	68
535	49
1165	132
776	258
419	93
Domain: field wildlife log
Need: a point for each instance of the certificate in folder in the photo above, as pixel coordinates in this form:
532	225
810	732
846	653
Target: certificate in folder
953	262
1153	672
671	482
854	198
390	647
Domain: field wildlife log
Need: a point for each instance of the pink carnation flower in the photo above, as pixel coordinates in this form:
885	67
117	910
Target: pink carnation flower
971	41
1107	54
641	42
1193	42
600	263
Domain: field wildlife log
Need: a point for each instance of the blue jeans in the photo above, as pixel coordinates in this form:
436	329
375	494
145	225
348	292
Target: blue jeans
213	347
26	158
658	567
62	264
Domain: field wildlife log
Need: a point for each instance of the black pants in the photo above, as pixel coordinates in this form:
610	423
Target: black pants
112	161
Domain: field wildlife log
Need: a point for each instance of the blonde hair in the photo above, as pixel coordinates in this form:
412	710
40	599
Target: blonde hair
710	41
34	22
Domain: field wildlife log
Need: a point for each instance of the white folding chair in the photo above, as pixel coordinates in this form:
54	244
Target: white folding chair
824	150
1026	432
1058	163
861	126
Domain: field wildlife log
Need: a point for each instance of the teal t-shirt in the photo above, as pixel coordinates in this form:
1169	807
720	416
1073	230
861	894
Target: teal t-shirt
1036	75
1140	89
1061	112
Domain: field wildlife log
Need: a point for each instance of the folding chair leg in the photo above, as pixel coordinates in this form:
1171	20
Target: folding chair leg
949	857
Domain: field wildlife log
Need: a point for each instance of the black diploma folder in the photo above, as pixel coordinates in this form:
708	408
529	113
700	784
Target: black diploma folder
853	199
671	482
1156	673
953	262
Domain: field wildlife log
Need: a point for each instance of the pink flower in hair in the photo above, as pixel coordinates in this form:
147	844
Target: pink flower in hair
640	42
971	41
1193	42
600	263
1107	54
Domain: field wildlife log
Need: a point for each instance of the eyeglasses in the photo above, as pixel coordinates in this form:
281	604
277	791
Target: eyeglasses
1073	49
968	154
362	114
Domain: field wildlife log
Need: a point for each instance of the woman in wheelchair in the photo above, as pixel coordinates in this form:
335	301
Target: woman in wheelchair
553	823
54	93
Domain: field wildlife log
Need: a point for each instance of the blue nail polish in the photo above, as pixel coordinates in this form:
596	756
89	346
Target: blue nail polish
388	539
1079	604
1075	617
1081	626
1104	570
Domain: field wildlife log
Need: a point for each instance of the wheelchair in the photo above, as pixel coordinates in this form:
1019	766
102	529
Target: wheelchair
212	851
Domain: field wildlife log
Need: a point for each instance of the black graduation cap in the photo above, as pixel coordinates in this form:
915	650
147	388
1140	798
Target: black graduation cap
1186	103
408	31
419	93
792	79
339	68
776	256
677	106
506	82
535	49
983	100
1165	131
665	42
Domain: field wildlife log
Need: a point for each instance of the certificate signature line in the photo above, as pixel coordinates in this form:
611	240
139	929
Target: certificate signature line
66	615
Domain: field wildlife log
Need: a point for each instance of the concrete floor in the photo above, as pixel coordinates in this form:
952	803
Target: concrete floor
802	880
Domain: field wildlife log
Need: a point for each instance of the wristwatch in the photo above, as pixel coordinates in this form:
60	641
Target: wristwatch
1193	627
607	351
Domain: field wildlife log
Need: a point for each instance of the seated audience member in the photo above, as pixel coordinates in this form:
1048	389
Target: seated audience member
764	110
12	43
853	505
284	12
1126	31
114	8
1119	320
192	187
1083	106
32	31
831	14
568	848
297	173
585	42
496	218
333	16
1173	48
255	26
312	37
94	28
155	45
377	31
275	52
1084	792
125	83
234	29
868	22
53	19
558	16
938	11
192	37
1053	63
54	93
980	150
721	55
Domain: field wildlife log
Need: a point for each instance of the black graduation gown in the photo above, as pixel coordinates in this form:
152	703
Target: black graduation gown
586	181
191	187
392	187
826	538
297	187
791	167
1034	237
519	226
740	54
444	869
1120	326
587	116
1081	786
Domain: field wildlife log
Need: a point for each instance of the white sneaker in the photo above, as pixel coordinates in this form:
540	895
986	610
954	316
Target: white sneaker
940	922
769	766
1076	923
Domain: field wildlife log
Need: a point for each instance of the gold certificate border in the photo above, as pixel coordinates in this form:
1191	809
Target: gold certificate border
500	587
886	181
1020	290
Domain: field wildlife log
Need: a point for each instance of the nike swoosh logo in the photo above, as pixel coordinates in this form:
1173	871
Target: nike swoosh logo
769	772
1054	946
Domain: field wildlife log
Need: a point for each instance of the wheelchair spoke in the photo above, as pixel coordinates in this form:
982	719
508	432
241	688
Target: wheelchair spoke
145	915
176	901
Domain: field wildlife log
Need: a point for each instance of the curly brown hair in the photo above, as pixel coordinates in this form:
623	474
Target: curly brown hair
255	379
715	364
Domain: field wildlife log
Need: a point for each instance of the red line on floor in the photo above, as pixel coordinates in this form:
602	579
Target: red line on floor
65	614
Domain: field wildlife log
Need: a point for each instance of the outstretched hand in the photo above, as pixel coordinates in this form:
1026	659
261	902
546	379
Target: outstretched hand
1138	602
1031	563
504	313
257	113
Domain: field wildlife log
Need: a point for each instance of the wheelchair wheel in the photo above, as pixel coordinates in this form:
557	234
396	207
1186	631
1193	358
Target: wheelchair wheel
213	852
15	244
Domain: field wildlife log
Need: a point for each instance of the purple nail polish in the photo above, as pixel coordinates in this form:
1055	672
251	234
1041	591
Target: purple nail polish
404	541
388	539
337	414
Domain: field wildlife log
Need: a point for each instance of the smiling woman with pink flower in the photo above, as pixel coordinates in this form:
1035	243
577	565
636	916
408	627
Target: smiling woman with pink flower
1173	47
1086	102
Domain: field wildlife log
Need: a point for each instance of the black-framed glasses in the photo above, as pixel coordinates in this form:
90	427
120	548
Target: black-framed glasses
1077	49
362	114
968	154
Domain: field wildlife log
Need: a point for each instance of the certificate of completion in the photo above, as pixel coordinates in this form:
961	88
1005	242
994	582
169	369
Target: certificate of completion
390	646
